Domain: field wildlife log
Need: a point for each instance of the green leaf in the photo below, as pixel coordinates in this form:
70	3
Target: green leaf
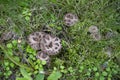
55	75
6	63
59	28
108	69
94	69
81	67
97	74
88	74
9	45
62	67
36	67
104	73
10	52
43	62
21	78
12	65
102	78
25	74
40	77
14	42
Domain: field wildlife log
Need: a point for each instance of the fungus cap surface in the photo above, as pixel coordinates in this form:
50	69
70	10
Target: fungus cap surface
93	29
43	56
34	40
51	45
70	19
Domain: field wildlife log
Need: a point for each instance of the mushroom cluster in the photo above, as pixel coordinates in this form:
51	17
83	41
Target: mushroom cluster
94	33
48	44
70	19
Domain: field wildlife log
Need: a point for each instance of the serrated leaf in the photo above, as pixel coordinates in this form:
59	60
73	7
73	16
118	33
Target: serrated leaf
25	74
40	77
55	75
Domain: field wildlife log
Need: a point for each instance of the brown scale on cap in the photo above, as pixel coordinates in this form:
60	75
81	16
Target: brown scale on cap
70	19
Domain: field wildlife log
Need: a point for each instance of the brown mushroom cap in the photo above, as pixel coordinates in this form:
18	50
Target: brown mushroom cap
93	29
34	40
70	19
51	45
43	56
96	36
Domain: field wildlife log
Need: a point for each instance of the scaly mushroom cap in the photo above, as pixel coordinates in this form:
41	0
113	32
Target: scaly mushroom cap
34	40
93	29
51	44
43	56
70	19
96	36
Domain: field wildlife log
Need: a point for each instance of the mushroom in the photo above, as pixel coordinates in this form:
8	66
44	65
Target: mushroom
94	33
47	43
96	36
43	56
70	19
34	40
93	29
51	44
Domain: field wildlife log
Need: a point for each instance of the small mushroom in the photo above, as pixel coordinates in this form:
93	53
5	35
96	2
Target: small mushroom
94	33
93	29
70	19
34	40
96	36
43	56
51	45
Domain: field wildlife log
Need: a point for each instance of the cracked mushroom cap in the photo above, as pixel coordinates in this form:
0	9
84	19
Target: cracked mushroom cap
43	56
70	19
93	29
51	45
34	40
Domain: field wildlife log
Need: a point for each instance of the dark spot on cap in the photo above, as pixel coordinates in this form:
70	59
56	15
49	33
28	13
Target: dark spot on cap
57	44
35	39
37	33
50	45
44	55
70	16
56	47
